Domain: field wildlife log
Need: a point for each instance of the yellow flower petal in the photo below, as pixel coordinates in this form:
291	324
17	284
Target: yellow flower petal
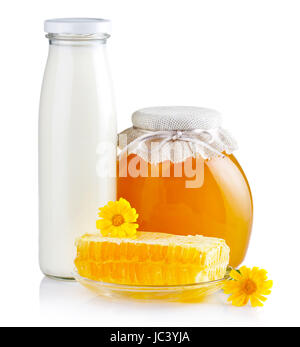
103	224
231	287
106	212
131	216
241	300
245	272
261	298
235	275
255	302
104	233
268	285
235	296
259	275
124	203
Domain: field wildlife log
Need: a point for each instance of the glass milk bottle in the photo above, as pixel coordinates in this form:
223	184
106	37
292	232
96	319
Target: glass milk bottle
77	138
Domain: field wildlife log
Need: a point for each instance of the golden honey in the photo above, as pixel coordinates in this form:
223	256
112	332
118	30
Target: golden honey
220	207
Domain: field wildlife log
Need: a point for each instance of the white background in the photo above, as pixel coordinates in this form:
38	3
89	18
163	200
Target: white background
240	57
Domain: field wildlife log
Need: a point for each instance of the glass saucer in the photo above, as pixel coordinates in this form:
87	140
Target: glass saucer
183	293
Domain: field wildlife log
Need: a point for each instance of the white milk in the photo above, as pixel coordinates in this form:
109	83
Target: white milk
76	116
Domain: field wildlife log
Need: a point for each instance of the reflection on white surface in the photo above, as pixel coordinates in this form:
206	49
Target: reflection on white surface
70	302
54	293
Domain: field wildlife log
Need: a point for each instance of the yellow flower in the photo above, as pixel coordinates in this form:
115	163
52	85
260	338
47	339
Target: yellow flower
118	219
248	284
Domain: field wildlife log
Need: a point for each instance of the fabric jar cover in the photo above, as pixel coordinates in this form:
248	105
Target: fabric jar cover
176	133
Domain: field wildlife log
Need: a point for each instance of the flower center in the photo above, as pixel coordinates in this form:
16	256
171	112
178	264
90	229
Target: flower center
249	287
117	220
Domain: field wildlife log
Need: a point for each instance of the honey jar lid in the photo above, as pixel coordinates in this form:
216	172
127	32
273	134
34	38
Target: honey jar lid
176	118
178	132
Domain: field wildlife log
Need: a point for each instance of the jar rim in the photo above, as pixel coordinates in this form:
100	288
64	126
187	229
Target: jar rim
77	37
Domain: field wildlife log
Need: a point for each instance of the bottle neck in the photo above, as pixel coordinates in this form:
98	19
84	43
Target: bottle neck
77	40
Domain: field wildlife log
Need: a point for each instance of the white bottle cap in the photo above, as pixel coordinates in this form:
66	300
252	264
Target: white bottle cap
78	26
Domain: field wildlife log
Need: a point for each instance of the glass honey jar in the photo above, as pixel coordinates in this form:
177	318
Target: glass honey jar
176	167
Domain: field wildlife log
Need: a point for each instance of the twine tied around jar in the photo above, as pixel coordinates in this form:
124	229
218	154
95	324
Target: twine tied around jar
188	136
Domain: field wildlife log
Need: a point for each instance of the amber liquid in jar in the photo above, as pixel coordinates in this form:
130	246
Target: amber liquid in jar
222	207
